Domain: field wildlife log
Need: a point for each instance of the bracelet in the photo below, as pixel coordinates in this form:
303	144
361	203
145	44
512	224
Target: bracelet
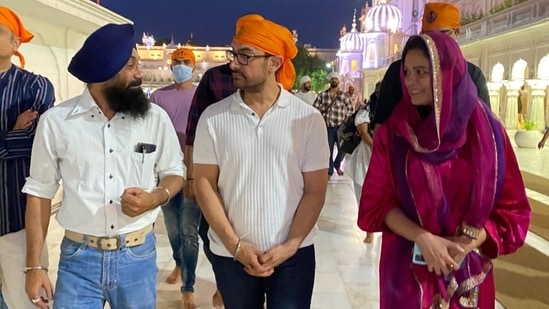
190	178
237	249
470	231
167	192
27	269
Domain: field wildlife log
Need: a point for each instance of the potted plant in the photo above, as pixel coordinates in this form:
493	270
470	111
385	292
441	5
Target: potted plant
527	136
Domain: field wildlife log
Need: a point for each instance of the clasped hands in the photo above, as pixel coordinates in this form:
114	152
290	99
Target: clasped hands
262	264
444	254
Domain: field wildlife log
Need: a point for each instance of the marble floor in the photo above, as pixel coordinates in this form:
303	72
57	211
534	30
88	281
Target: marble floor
347	275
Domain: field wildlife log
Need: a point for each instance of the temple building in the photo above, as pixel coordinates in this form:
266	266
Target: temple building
506	39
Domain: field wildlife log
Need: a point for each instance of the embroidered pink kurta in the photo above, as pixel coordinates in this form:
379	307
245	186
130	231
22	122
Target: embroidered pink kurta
506	227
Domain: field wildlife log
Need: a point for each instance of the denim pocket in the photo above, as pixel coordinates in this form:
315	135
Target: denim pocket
69	248
145	250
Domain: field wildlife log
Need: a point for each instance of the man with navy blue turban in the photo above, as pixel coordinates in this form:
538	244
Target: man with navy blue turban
119	159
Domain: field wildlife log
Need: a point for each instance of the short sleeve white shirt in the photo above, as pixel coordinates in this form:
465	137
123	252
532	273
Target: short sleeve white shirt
261	162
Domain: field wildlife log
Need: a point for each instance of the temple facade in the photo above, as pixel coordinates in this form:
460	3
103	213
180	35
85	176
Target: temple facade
505	38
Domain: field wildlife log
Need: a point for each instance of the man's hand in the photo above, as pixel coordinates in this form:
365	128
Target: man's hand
136	201
249	256
541	144
36	280
25	119
188	189
277	255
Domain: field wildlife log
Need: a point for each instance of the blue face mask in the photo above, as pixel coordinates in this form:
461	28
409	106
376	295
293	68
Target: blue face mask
182	73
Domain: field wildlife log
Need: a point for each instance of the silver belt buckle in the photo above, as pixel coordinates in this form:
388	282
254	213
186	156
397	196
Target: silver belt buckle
103	243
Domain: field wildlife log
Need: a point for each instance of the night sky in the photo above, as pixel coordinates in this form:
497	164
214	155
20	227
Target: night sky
212	21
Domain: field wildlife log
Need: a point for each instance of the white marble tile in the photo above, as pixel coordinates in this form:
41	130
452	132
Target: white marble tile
329	299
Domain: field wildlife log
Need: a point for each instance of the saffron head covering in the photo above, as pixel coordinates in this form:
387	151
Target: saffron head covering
243	19
440	15
9	19
184	53
104	53
273	39
304	79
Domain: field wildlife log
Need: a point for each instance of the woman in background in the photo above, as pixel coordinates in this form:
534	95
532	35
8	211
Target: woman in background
357	163
443	185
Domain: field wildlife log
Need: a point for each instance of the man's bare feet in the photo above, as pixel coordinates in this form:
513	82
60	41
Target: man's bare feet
188	300
175	276
339	172
217	300
369	238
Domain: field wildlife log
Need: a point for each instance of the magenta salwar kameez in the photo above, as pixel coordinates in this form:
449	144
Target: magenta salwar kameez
450	171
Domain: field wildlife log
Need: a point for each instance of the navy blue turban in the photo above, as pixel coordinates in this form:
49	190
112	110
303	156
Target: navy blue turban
104	53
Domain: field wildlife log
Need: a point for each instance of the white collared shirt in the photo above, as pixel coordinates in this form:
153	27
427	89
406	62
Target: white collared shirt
97	159
261	162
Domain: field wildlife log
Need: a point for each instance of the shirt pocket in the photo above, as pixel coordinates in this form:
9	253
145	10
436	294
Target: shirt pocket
143	167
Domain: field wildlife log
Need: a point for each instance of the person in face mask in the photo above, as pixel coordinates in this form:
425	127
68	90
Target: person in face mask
181	215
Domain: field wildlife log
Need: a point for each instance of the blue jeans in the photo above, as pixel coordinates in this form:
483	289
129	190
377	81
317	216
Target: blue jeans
181	217
89	277
2	303
203	232
332	140
289	287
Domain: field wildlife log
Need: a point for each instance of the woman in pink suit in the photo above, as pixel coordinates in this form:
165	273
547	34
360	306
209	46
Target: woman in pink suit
443	186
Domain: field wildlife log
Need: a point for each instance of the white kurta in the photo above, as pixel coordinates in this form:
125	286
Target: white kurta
357	162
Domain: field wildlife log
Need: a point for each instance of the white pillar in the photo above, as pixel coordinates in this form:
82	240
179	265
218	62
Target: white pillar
494	90
537	110
510	119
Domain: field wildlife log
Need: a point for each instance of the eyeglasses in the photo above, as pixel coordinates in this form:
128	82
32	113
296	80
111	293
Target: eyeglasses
243	59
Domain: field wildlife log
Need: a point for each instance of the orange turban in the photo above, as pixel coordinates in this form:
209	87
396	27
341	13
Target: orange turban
184	53
440	15
246	18
273	39
9	19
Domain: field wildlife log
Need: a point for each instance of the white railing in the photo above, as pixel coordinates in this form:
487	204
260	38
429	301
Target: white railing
517	16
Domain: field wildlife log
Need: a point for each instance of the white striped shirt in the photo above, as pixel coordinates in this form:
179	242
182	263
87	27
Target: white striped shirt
261	162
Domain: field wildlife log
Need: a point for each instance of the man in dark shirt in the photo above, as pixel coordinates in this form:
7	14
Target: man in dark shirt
24	96
215	85
443	17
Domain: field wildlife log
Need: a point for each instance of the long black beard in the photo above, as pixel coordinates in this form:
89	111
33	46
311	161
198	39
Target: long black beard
130	101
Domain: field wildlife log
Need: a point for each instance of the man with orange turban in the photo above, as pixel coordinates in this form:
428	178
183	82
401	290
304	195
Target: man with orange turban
260	170
181	214
437	16
24	97
272	39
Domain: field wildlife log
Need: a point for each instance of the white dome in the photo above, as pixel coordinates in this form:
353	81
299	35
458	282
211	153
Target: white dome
384	18
352	41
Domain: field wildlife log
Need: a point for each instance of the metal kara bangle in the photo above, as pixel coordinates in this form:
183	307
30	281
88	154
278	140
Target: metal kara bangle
237	249
27	269
167	192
